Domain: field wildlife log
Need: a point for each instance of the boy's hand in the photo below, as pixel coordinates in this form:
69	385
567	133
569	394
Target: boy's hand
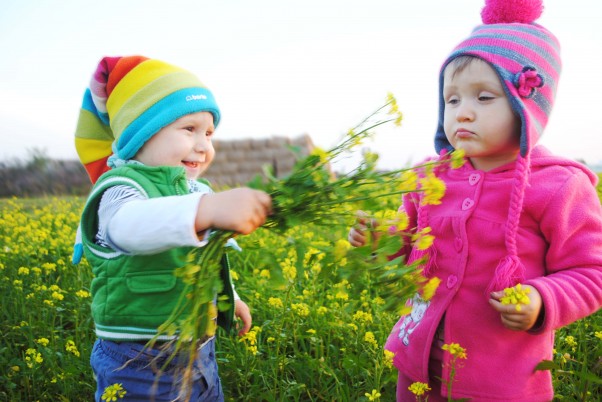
241	210
522	320
242	311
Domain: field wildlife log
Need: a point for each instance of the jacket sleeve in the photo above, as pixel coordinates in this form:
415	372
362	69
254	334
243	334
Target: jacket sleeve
152	225
572	223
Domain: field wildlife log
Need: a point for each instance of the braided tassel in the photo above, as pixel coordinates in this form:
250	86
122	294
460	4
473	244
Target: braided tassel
510	270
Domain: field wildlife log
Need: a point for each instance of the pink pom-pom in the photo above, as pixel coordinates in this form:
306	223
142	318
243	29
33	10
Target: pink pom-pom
508	11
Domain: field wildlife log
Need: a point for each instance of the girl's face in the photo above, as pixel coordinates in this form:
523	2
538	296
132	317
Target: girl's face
185	142
478	117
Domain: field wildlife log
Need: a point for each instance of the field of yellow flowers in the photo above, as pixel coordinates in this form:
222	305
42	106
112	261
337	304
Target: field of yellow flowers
319	323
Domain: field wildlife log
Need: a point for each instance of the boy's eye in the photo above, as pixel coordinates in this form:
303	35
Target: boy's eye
453	101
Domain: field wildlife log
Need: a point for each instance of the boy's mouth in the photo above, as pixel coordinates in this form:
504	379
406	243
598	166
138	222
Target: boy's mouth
191	164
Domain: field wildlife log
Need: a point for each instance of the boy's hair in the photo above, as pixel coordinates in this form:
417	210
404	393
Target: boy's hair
128	101
524	55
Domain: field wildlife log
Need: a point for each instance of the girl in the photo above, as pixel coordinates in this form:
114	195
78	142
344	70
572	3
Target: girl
513	214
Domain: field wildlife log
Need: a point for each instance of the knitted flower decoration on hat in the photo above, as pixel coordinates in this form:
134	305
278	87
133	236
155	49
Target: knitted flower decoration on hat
526	58
129	100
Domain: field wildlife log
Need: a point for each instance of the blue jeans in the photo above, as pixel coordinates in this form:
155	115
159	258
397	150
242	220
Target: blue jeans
139	380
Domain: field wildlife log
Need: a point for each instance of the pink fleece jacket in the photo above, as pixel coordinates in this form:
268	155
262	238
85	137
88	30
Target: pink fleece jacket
559	242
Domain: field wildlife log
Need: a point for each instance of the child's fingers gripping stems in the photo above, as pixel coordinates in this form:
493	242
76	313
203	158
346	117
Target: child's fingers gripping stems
357	233
241	210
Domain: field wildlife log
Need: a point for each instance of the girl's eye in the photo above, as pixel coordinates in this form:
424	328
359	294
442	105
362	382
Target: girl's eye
453	101
486	97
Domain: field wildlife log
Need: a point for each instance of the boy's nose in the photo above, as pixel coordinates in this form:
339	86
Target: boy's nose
200	144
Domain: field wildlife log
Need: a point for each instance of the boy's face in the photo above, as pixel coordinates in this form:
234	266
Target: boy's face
478	117
185	142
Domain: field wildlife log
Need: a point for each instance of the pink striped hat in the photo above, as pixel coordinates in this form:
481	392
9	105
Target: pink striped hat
526	57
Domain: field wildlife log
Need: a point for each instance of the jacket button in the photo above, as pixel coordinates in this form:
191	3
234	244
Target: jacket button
458	243
467	204
474	179
451	281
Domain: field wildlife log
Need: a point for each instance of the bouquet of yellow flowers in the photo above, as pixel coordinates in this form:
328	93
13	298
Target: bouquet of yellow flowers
309	195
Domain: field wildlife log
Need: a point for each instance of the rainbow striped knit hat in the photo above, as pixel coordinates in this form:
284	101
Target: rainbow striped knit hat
129	100
526	58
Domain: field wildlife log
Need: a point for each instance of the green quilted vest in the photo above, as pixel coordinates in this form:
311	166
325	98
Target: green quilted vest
132	295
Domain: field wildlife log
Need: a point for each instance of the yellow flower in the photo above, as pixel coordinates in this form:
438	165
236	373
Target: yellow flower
311	331
264	274
234	275
32	356
362	317
429	289
301	309
598	334
275	302
340	249
374	396
341	294
455	350
388	358
369	338
433	188
457	158
408	181
57	296
423	239
419	388
405	310
82	294
42	341
23	271
320	153
322	310
571	342
71	348
113	392
288	269
394	109
516	295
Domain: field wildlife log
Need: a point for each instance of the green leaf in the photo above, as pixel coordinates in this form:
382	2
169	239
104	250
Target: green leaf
546	365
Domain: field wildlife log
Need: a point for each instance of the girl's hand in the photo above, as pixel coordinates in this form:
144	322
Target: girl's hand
358	234
243	313
522	320
240	210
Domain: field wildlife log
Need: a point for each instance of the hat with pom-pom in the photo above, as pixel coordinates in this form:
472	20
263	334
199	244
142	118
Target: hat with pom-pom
526	58
128	101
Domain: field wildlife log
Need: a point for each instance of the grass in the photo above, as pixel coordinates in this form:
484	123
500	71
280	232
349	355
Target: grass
317	334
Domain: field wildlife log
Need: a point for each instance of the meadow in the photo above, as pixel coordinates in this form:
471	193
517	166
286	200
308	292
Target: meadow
319	319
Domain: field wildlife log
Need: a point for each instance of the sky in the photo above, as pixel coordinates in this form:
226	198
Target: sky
279	68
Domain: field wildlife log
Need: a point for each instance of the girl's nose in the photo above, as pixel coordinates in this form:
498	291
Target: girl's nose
464	112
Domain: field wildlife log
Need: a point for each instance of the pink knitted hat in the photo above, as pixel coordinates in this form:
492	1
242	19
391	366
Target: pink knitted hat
526	59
